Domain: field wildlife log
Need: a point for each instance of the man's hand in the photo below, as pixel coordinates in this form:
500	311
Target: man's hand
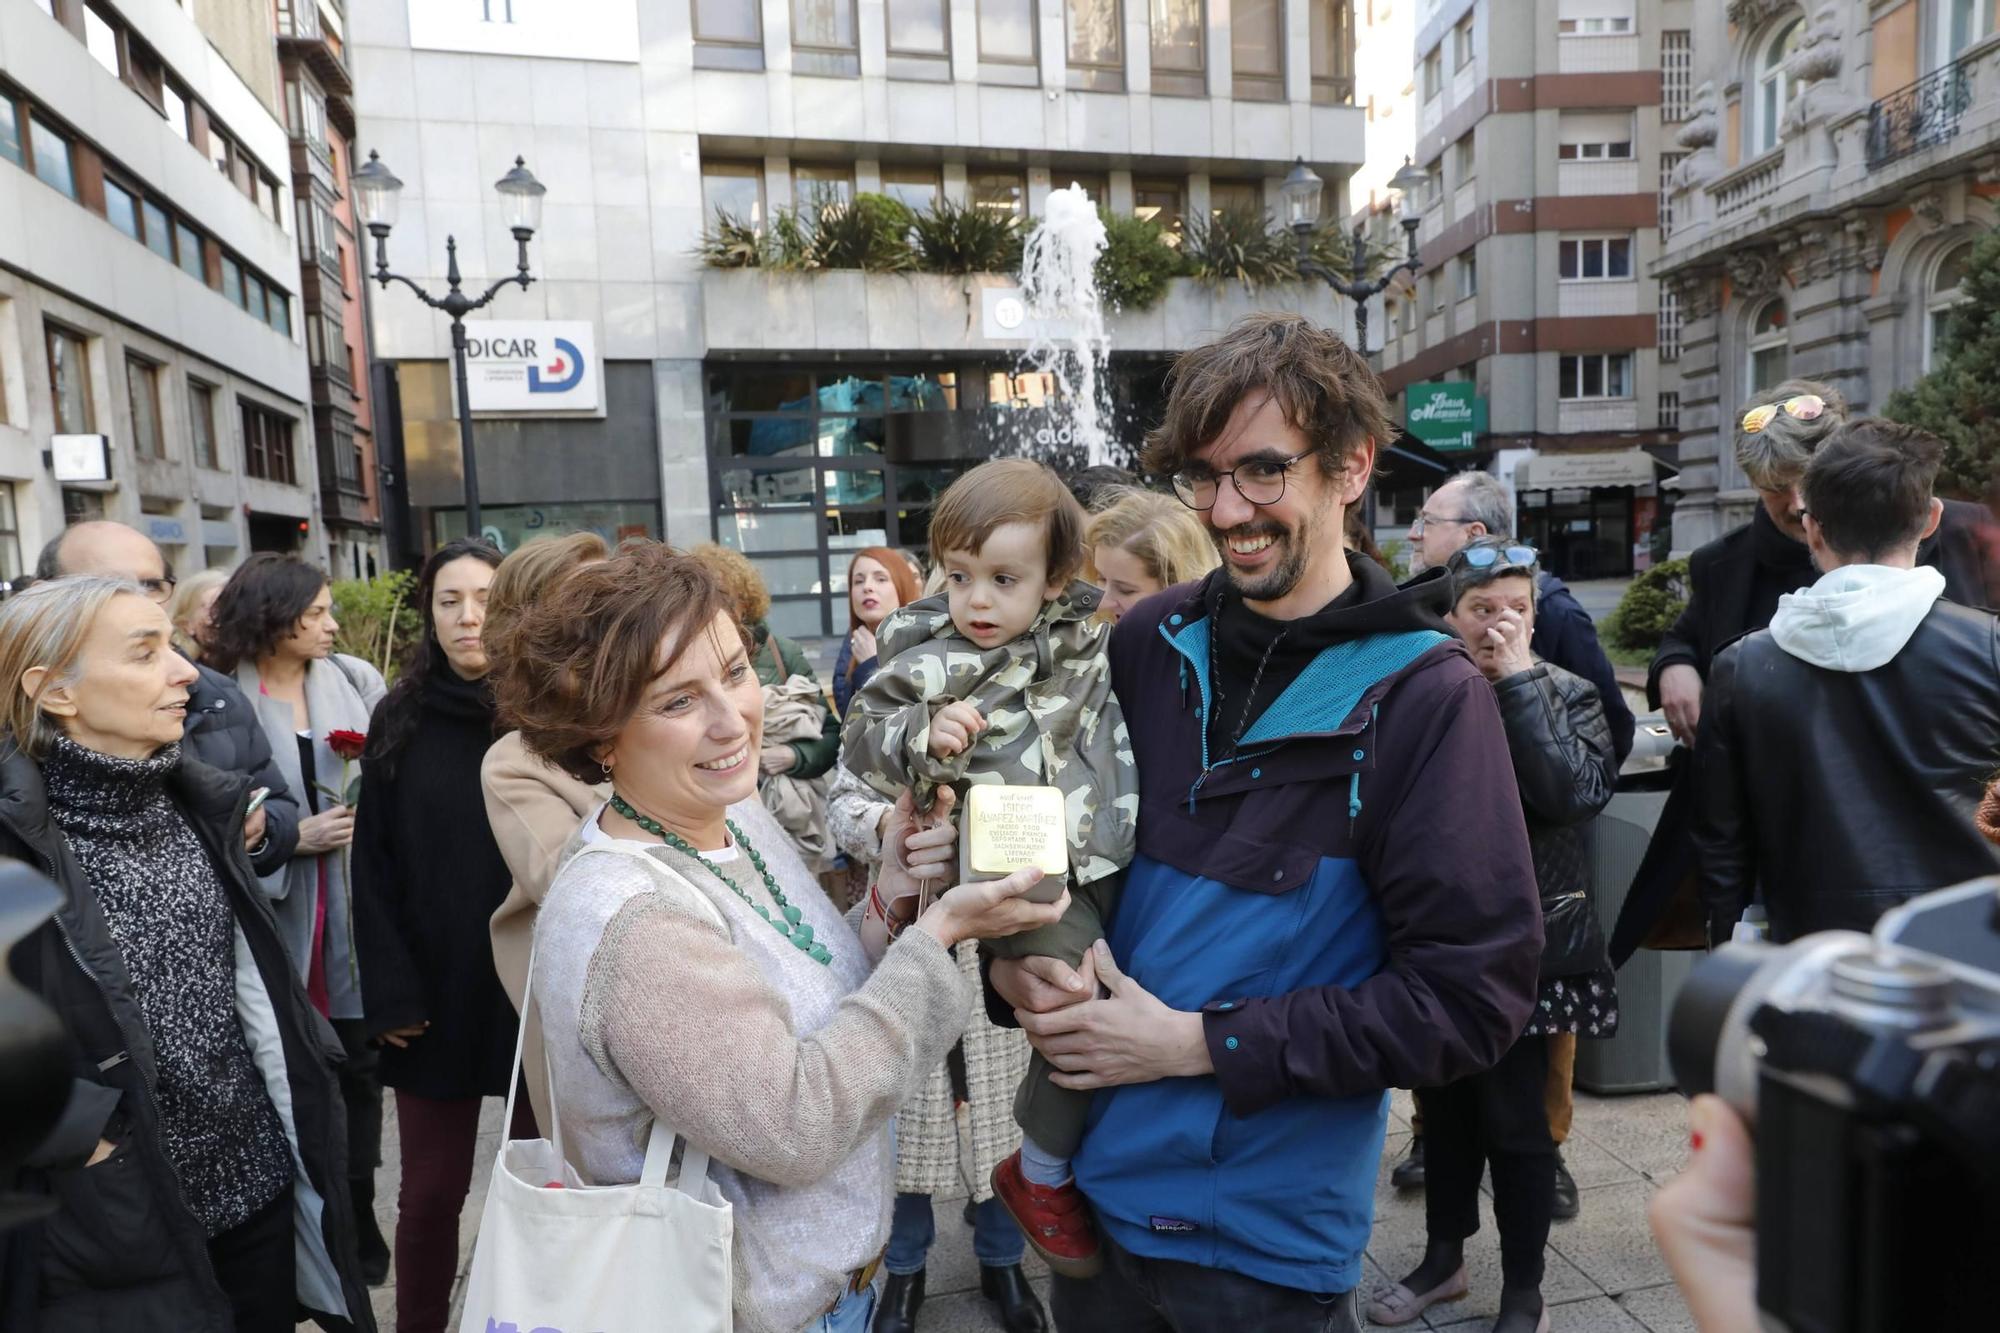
253	828
774	760
953	728
1038	985
1680	700
1127	1037
401	1037
1503	647
328	831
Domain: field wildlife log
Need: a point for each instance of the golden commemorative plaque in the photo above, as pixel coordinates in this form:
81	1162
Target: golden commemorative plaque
1003	829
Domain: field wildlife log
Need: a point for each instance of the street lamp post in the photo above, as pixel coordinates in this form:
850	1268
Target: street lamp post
1302	194
376	190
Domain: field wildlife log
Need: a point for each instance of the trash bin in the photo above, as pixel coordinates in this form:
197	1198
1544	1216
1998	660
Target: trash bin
1636	1059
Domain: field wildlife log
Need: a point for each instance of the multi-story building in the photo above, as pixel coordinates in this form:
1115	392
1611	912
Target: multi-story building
1841	163
1531	343
800	416
319	114
1385	88
151	362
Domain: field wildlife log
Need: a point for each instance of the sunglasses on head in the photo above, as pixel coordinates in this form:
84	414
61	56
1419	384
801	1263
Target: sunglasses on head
1485	557
1805	407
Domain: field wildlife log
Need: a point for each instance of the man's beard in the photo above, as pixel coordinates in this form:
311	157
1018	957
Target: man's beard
1294	548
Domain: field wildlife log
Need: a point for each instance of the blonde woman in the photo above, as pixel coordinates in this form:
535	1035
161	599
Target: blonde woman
1142	543
194	601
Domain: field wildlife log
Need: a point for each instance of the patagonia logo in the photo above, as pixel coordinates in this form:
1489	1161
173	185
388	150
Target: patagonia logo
1172	1226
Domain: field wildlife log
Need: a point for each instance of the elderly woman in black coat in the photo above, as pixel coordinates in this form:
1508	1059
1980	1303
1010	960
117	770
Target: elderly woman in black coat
1566	769
427	878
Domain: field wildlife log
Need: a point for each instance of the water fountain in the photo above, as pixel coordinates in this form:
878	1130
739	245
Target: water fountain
1070	344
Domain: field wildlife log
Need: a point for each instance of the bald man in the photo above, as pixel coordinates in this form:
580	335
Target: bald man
222	728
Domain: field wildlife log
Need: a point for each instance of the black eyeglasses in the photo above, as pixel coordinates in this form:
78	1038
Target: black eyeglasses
1261	481
1485	557
159	590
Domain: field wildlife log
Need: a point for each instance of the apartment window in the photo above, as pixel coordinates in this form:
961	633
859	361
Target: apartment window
735	22
919	28
218	149
1178	61
324	230
173	105
1668	161
267	445
1616	150
232	280
1235	197
253	297
1774	87
142	390
159	230
999	192
1959	24
1594	375
1669	414
1676	73
10	535
735	189
1257	50
1160	200
818	183
1461	43
100	37
279	314
187	244
1594	258
1946	293
53	164
1468	275
1603	25
121	208
10	131
918	188
1096	45
1669	335
1770	347
1433	73
308	112
1465	164
1007	32
1330	33
201	424
823	25
69	381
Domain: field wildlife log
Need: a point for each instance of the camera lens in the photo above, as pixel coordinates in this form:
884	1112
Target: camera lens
1694	1032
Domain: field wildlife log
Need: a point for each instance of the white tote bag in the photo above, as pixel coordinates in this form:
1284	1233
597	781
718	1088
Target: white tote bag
598	1259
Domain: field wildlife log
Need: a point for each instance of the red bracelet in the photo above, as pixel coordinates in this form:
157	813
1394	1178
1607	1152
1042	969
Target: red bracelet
875	904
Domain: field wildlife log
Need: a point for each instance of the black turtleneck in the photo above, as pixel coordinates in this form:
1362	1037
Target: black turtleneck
171	920
1782	565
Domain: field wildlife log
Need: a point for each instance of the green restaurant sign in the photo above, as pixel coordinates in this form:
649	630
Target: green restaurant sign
1444	416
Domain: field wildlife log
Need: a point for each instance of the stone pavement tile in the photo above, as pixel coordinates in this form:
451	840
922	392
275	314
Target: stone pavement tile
1649	1133
1661	1309
1591	1165
1597	1314
1616	1246
1401	1106
968	1311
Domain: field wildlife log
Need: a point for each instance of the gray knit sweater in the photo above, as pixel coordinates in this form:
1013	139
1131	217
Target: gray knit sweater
170	917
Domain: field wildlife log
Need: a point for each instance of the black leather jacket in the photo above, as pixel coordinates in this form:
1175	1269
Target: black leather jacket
1567	769
223	732
1842	794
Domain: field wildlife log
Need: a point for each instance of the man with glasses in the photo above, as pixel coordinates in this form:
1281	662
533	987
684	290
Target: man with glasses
1333	893
222	730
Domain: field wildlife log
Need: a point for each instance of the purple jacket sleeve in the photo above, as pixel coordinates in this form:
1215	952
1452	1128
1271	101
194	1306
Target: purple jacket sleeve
1447	858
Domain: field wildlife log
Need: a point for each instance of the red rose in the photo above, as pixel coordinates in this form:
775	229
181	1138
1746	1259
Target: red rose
347	744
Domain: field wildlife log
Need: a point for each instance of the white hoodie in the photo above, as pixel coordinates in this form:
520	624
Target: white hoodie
1858	617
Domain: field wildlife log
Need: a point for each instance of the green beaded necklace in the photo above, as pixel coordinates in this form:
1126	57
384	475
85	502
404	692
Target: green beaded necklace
789	922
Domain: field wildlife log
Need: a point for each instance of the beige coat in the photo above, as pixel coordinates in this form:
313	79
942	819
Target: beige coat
534	809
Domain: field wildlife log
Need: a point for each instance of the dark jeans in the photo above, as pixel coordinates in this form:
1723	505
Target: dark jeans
256	1267
1497	1117
438	1140
361	1094
996	1240
1139	1295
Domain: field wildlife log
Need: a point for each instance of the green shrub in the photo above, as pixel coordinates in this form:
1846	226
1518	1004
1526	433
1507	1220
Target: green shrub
965	238
872	233
1649	608
376	618
1137	263
1239	245
730	243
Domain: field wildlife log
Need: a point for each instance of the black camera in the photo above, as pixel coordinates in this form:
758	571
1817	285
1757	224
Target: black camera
1868	1067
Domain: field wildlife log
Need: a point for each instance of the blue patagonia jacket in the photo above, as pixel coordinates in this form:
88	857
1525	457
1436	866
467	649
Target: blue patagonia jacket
1351	905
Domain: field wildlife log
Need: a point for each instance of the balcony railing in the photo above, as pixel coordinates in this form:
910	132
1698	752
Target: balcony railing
1923	114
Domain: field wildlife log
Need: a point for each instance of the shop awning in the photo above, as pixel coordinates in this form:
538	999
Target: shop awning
1410	449
1565	472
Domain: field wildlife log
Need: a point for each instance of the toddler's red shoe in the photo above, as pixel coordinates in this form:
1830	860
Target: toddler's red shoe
1055	1220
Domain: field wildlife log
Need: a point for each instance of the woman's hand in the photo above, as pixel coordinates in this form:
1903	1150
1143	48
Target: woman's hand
401	1037
862	642
1502	650
328	831
775	760
990	909
1706	1221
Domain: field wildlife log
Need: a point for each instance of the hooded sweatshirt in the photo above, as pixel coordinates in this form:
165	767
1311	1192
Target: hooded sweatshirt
1858	617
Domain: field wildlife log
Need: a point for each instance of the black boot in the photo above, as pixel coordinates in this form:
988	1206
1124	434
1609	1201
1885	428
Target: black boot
902	1297
1409	1173
1020	1310
374	1251
1566	1204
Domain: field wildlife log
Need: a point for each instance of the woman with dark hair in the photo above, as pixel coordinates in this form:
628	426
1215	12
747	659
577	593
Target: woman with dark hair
273	627
427	878
878	581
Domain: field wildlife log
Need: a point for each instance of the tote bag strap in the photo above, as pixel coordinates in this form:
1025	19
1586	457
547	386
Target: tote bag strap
531	1013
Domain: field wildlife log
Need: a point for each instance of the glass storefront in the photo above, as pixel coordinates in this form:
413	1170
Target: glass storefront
510	527
812	463
1582	534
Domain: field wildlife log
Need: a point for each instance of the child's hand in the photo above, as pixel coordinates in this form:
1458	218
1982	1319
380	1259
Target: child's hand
953	728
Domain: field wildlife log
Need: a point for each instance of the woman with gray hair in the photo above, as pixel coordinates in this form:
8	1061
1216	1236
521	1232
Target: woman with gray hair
195	1173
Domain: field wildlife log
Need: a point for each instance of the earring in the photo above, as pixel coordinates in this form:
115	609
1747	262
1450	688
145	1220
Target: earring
607	770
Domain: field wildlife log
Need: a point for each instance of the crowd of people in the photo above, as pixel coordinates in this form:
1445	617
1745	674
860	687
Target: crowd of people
1325	834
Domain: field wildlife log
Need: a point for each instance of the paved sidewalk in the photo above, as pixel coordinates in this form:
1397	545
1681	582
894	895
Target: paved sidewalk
1604	1274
